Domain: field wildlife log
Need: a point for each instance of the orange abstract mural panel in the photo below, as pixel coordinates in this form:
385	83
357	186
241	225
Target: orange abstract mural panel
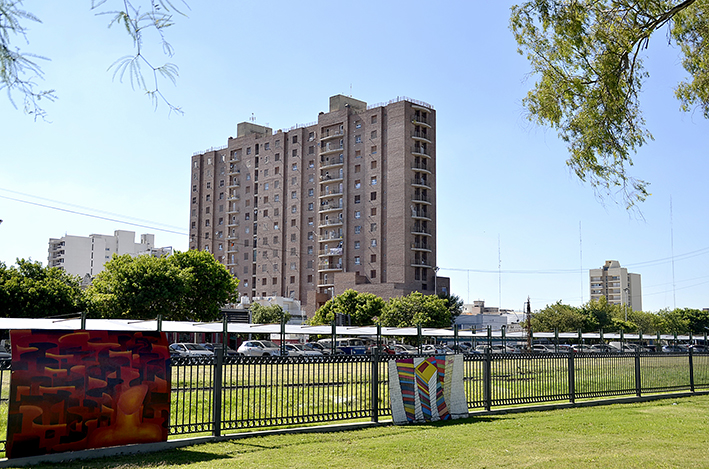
86	389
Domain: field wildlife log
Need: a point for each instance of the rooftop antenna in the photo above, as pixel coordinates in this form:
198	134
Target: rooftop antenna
581	259
672	252
252	118
499	272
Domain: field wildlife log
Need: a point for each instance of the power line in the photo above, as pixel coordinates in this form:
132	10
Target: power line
93	216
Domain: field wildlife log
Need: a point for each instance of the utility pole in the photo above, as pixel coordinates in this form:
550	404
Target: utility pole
529	326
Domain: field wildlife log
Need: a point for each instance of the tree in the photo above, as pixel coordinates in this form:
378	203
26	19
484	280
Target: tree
587	56
19	71
416	309
454	304
32	291
560	317
272	314
362	309
185	286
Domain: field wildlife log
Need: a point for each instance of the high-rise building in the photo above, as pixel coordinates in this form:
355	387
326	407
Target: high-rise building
348	201
617	285
81	255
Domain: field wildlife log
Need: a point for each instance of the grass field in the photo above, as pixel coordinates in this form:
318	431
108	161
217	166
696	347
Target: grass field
658	434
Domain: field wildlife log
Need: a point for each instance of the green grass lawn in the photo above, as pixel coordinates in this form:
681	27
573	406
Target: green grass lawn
665	433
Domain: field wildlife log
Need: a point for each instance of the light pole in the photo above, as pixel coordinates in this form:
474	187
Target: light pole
625	306
435	280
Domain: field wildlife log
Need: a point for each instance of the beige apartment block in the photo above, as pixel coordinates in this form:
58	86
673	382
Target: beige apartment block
348	201
617	285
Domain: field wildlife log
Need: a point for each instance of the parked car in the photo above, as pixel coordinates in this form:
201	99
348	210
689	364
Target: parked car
298	350
182	349
603	348
405	349
674	349
382	349
316	346
583	348
350	346
541	348
259	348
436	349
230	352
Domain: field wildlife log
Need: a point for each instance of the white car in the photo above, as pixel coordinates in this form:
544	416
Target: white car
297	350
181	349
259	348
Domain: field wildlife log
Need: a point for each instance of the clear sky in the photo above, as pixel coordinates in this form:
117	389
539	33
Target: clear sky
512	220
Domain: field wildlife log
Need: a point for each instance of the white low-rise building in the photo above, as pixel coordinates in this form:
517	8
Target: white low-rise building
80	255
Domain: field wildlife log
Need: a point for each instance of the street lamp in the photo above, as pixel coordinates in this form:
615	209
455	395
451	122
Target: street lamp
626	290
435	280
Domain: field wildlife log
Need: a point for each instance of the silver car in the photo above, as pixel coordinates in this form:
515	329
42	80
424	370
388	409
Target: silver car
259	348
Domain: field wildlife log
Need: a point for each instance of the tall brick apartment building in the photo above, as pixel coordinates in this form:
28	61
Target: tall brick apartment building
346	202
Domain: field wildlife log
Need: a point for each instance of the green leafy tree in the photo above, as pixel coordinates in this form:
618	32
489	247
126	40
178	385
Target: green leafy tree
416	309
600	314
587	58
454	304
560	317
32	291
362	308
272	314
185	286
20	70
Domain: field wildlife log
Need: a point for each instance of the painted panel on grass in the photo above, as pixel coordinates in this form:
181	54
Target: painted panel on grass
86	389
427	389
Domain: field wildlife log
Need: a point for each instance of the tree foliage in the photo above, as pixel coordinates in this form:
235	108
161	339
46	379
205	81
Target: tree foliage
416	309
189	285
587	57
32	291
454	304
272	314
20	70
362	309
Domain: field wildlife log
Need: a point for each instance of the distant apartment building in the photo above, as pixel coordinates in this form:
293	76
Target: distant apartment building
478	317
79	255
617	285
305	213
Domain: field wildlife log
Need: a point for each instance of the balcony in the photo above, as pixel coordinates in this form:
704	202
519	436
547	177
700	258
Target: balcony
330	265
330	252
327	149
422	136
325	207
420	150
331	134
421	198
420	214
421	167
329	161
325	223
420	120
420	230
327	178
330	237
330	192
421	182
420	247
420	263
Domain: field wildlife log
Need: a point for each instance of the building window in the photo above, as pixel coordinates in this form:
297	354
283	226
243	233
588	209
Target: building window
295	139
248	150
373	211
373	258
310	207
295	152
277	170
373	228
310	250
292	237
374	119
294	167
374	243
358	125
310	279
275	226
293	209
374	164
357	214
292	222
356	199
358	229
373	274
357	260
267	146
265	186
311	192
373	196
373	181
356	244
277	156
374	134
358	183
311	178
357	168
311	236
374	150
358	139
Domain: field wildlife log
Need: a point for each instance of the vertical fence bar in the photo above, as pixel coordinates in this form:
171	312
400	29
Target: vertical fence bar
638	381
217	401
487	379
375	384
572	378
691	369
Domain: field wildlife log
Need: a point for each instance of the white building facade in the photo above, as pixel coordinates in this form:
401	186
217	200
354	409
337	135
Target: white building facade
617	285
79	255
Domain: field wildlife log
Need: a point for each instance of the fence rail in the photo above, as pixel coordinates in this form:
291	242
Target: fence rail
219	394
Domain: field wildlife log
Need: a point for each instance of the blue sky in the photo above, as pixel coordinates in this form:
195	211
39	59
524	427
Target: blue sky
512	220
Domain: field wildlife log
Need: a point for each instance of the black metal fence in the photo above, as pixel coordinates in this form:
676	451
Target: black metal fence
216	394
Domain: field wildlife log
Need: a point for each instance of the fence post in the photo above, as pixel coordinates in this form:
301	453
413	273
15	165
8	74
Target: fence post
375	384
691	369
572	378
218	369
487	379
638	383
